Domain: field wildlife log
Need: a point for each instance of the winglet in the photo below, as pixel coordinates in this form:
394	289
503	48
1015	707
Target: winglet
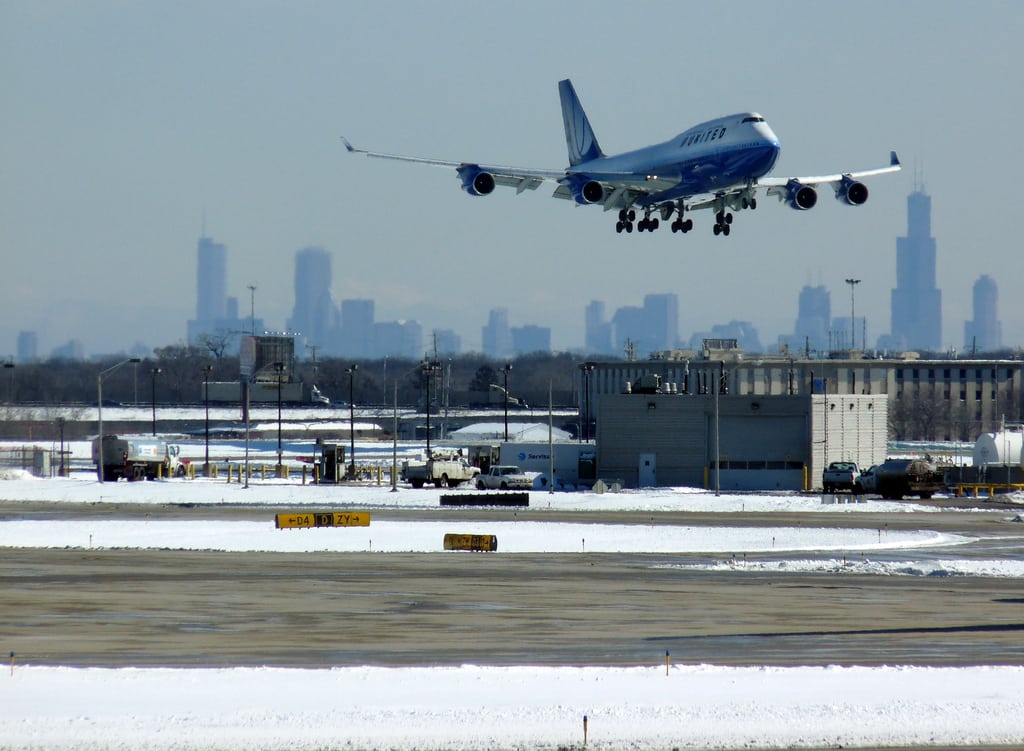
350	147
894	161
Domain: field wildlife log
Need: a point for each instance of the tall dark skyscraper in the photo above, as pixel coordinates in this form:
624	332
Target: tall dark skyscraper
211	280
916	301
314	313
598	331
984	332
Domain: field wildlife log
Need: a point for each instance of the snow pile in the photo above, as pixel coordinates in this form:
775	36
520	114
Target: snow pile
473	707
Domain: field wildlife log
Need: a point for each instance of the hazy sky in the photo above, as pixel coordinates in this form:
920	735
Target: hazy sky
123	122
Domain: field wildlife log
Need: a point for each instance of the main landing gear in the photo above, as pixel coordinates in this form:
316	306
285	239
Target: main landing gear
626	219
723	223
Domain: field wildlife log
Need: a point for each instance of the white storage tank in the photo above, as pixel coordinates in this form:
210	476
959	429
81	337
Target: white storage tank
1003	447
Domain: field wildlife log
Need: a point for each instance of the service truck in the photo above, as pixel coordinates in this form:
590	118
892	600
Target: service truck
840	476
445	470
895	478
136	458
504	477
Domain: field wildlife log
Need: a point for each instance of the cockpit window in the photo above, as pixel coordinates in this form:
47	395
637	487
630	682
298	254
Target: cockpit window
755	119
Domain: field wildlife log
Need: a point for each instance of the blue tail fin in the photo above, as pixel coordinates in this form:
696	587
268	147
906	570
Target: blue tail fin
579	136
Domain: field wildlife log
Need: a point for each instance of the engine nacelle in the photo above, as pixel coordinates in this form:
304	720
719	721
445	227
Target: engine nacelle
851	192
585	191
801	197
475	181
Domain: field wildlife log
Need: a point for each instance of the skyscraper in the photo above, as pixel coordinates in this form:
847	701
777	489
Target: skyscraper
984	332
598	334
211	280
916	301
314	313
814	314
662	314
357	319
497	338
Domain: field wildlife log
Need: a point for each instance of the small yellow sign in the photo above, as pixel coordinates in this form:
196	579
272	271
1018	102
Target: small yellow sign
477	543
307	519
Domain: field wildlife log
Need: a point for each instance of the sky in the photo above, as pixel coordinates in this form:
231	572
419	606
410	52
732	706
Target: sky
130	127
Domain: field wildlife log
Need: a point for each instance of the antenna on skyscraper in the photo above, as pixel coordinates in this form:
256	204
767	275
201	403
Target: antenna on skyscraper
204	222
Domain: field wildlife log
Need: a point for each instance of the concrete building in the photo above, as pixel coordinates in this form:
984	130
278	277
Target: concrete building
927	399
598	331
28	346
355	337
760	442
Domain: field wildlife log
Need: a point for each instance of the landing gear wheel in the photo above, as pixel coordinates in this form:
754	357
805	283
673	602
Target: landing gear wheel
726	229
629	227
687	225
619	226
718	230
631	215
753	203
653	224
728	219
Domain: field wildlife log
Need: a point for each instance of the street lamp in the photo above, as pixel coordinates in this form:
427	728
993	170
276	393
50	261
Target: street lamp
279	369
588	368
99	408
9	367
505	369
154	372
206	403
351	370
853	326
60	424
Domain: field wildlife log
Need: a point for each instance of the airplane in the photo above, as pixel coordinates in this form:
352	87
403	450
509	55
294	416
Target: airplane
719	164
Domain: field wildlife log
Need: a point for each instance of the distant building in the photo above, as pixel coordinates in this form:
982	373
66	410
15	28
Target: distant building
651	328
811	330
314	314
356	332
598	331
984	332
73	350
496	335
916	301
397	339
28	346
211	280
447	342
743	332
217	319
529	339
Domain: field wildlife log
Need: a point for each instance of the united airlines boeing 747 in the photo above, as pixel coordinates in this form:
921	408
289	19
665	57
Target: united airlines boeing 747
720	164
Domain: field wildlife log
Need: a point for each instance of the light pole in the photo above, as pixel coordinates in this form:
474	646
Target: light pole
351	370
99	409
154	372
505	369
252	309
206	404
279	369
60	425
588	368
9	367
853	326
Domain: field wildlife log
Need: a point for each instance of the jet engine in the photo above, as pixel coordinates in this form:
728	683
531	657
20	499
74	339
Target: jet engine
852	192
585	191
801	197
475	181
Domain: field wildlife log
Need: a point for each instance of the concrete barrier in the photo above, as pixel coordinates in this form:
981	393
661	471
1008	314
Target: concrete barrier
486	499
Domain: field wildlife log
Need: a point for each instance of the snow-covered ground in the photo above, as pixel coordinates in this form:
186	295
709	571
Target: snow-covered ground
515	707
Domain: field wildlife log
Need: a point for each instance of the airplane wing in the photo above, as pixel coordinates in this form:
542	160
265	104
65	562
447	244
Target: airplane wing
778	186
520	178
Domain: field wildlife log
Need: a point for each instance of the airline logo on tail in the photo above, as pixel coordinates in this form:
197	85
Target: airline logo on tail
579	136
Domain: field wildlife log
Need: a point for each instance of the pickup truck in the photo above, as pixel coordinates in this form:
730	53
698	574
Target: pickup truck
442	470
504	477
840	476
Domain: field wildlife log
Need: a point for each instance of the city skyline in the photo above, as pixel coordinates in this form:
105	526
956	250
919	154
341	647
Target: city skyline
116	146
